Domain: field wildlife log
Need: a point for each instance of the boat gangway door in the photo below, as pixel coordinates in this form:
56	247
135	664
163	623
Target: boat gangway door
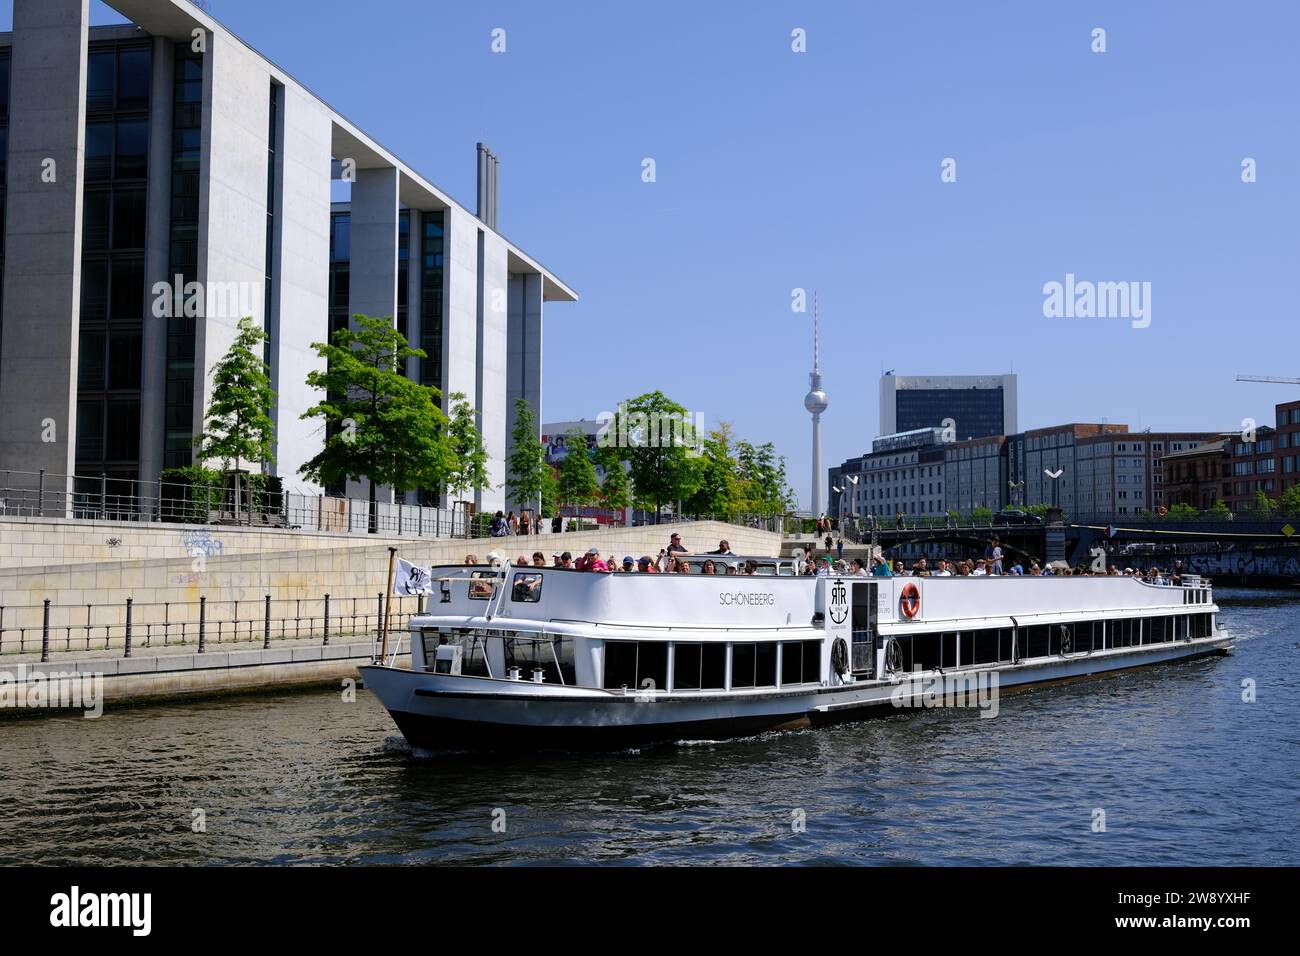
863	647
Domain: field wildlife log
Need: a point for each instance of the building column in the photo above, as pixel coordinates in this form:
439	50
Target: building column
40	314
373	288
524	356
153	371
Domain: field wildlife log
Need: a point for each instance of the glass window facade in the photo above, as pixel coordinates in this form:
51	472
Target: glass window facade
977	412
112	270
187	130
432	248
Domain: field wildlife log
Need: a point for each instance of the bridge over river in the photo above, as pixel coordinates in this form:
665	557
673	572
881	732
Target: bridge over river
1242	551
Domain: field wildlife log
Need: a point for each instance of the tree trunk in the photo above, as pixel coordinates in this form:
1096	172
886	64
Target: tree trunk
373	525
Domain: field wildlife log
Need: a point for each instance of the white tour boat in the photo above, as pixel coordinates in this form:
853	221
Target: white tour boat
552	658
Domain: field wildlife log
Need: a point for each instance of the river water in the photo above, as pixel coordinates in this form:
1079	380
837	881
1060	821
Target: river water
1183	770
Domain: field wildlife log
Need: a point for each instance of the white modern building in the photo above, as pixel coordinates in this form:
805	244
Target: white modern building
168	148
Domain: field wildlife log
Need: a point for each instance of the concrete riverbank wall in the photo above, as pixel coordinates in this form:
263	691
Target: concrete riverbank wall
92	681
89	601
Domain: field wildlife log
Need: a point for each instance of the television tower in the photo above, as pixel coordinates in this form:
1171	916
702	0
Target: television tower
815	402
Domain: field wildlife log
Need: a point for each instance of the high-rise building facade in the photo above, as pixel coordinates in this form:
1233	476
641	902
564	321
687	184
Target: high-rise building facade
972	406
160	180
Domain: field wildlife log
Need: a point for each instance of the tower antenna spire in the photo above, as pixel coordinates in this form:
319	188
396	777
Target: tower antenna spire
816	336
815	403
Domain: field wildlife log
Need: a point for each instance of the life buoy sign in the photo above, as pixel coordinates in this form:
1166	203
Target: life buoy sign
1162	511
909	600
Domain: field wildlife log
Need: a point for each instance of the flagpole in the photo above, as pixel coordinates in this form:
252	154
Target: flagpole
388	603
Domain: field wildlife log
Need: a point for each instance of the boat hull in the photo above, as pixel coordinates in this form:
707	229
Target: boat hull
440	712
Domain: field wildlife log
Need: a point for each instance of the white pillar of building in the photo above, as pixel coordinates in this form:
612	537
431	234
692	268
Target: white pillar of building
42	269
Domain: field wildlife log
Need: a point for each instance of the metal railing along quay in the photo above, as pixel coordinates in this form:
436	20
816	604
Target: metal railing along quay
101	498
202	624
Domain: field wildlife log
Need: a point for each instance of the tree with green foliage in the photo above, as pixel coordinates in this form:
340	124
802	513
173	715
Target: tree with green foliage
380	425
238	427
718	485
657	439
764	486
1182	512
470	458
578	482
615	490
550	493
1289	503
1219	511
1264	507
526	467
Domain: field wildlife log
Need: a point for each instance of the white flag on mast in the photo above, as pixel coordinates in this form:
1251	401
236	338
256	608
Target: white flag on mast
411	579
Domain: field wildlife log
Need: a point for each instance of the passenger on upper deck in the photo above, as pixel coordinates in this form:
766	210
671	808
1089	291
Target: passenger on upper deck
856	568
751	567
675	545
708	568
591	561
646	565
880	568
539	559
723	548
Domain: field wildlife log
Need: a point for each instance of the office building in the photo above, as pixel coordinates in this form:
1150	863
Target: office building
975	406
163	179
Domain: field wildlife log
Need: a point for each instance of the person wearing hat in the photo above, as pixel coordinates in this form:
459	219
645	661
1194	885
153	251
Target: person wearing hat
592	561
566	560
628	563
824	566
646	565
493	559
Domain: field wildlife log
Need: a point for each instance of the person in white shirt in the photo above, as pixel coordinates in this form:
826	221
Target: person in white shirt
944	570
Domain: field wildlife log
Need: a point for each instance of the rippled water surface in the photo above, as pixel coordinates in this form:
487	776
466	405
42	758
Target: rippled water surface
1185	772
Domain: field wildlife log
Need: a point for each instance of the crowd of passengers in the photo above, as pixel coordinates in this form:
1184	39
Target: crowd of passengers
670	560
992	565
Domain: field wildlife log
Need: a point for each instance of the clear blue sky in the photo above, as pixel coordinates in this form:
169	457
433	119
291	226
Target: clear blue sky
821	170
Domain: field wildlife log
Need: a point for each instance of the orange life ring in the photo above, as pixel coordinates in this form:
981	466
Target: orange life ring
909	601
1162	511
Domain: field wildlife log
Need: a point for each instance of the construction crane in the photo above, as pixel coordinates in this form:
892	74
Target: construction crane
1268	378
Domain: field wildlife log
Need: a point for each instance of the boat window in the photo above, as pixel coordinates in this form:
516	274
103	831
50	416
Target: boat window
526	588
948	653
433	638
480	588
1035	640
713	666
800	662
983	646
620	664
686	667
699	666
753	665
553	654
742	665
641	665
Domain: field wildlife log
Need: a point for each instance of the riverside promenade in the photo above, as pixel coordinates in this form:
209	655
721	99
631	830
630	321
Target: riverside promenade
246	621
91	680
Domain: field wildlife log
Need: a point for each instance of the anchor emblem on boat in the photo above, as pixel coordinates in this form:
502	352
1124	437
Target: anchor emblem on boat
839	612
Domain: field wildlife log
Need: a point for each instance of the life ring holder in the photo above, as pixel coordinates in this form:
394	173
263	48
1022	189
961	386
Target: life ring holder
893	657
840	657
909	600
